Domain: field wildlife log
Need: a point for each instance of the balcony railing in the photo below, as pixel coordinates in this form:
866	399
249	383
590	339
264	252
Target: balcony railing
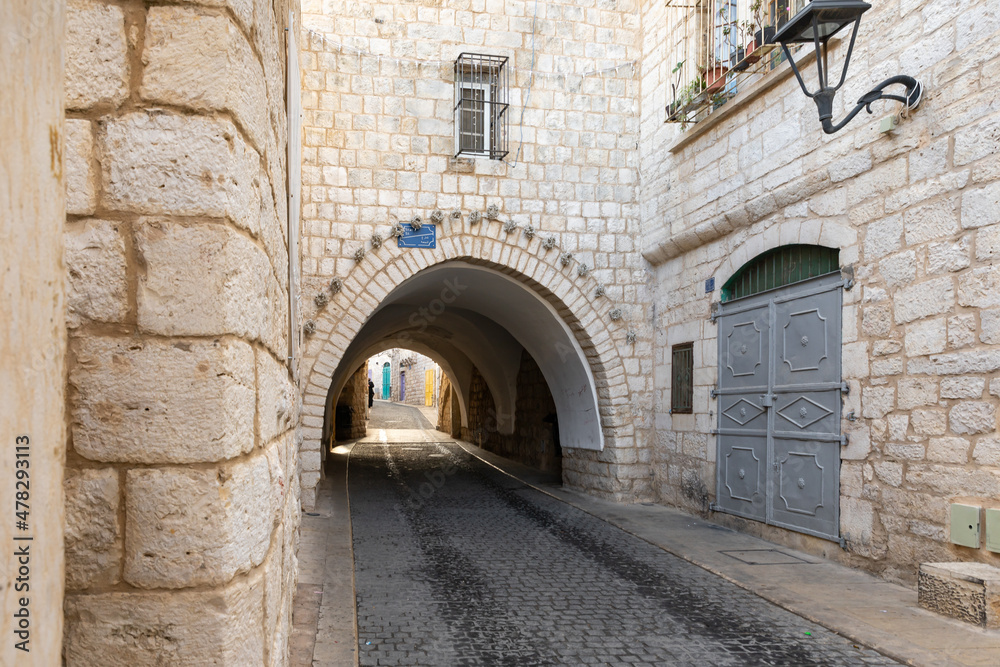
717	48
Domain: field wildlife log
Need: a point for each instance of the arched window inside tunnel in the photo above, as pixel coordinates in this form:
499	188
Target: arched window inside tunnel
514	380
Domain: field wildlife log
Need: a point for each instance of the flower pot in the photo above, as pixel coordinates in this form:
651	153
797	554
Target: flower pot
751	53
715	79
765	36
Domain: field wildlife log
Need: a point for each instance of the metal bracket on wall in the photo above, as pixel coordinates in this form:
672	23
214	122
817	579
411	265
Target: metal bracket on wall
848	273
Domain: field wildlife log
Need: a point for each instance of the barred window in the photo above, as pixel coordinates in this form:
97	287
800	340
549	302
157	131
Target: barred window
481	101
682	379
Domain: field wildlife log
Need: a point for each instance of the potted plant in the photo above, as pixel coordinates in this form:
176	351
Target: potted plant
759	31
692	95
715	78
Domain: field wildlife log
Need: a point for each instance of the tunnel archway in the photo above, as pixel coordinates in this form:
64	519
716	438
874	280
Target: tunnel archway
590	343
468	317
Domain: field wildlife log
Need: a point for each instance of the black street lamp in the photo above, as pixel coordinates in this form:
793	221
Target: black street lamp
816	24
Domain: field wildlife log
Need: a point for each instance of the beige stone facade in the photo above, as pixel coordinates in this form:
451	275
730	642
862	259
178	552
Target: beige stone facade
378	149
912	213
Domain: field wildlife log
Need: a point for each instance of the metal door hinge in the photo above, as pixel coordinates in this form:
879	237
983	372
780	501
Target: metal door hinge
715	312
845	440
713	392
845	388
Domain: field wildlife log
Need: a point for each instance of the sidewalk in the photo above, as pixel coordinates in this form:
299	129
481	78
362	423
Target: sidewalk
852	603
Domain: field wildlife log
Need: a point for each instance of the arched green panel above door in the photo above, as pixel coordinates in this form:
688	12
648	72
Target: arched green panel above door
779	267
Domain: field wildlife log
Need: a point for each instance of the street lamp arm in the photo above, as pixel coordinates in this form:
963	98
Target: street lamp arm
824	100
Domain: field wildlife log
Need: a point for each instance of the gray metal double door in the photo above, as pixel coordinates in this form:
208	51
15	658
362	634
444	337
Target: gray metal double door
779	405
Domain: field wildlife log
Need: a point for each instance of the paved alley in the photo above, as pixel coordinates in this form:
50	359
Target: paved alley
457	563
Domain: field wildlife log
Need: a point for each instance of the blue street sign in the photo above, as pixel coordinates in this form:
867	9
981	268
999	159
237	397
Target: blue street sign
425	237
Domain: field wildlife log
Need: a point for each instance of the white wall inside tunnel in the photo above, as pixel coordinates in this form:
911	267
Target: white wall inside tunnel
466	316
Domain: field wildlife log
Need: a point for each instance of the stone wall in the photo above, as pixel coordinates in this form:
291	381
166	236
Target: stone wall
914	212
182	467
449	412
355	397
416	378
33	344
378	91
532	441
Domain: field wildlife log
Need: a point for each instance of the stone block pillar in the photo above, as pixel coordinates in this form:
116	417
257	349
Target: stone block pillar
182	482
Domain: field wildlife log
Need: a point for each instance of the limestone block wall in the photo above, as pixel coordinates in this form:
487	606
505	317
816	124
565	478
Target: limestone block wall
182	483
416	378
378	94
33	343
914	212
533	440
354	396
449	412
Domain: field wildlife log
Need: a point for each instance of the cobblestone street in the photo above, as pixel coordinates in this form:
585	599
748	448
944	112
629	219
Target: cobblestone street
460	564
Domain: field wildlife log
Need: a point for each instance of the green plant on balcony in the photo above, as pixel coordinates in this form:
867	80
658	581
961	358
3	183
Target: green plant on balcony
674	84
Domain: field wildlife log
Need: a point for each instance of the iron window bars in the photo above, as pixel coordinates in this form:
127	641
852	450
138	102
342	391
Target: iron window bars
482	97
682	379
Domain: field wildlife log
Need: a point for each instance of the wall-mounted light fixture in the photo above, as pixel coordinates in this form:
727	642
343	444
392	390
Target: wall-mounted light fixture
816	24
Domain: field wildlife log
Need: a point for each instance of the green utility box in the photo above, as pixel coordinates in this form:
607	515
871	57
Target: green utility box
992	529
965	525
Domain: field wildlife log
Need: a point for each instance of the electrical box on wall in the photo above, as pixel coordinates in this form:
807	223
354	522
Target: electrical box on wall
992	529
965	525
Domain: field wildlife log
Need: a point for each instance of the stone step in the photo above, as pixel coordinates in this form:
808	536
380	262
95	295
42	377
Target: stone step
967	591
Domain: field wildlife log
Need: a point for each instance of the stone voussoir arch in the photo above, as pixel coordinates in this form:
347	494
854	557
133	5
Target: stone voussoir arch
381	270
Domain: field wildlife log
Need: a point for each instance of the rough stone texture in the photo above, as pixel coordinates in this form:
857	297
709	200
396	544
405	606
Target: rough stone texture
207	627
207	280
81	184
163	163
157	401
967	591
93	538
96	63
96	280
449	411
533	441
973	417
354	397
277	398
192	527
202	61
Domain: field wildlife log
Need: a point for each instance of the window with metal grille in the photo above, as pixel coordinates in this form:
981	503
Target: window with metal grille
682	379
779	267
482	97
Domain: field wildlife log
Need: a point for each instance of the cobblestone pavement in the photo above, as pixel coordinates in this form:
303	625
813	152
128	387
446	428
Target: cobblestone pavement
396	415
459	564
